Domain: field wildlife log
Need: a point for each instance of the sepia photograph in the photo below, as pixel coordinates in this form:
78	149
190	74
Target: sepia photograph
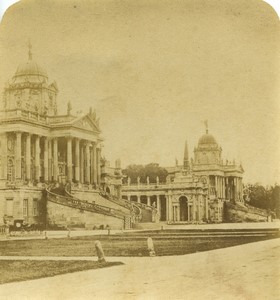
140	149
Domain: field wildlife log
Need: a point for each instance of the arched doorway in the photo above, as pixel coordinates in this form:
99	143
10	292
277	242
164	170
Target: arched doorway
183	208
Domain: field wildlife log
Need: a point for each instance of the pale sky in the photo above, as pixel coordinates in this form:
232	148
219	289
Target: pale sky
154	70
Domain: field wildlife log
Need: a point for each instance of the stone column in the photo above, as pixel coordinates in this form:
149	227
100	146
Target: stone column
46	158
3	153
50	159
216	186
55	160
241	184
158	206
138	198
98	154
170	217
223	185
18	155
198	209
234	189
69	159
28	157
87	179
37	157
149	200
94	159
77	160
82	179
167	208
226	188
206	209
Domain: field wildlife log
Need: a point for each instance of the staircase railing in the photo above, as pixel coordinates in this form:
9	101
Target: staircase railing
83	205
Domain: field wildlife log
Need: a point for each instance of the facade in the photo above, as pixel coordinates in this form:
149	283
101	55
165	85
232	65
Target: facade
195	191
52	171
40	147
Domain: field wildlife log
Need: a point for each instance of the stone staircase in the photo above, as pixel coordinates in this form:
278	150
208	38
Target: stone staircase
60	195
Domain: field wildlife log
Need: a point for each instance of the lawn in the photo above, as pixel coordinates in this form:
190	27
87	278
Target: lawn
20	270
121	245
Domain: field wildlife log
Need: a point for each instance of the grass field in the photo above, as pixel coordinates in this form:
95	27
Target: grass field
121	245
20	270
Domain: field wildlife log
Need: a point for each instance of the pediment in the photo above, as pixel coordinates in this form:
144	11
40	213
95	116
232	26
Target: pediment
86	123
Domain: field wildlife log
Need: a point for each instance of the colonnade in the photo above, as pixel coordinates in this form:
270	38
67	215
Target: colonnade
26	152
229	187
148	199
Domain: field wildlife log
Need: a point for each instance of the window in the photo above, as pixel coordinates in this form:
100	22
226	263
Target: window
11	176
35	207
25	207
10	207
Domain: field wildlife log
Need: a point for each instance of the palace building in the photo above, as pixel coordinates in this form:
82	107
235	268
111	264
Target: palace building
52	173
194	191
40	148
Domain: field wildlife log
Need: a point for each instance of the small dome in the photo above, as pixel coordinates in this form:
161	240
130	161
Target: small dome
207	139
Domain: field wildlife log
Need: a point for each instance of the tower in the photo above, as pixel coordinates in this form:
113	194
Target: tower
29	89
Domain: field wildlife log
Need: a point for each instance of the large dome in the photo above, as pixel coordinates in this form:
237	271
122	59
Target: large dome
30	71
207	139
30	68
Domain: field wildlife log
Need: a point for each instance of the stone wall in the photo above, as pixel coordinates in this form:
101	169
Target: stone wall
16	198
92	196
60	215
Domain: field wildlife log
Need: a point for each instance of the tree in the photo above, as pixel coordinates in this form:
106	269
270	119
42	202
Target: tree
258	196
275	200
152	170
265	198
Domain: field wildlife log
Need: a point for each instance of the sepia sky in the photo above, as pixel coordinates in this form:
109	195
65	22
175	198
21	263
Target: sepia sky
154	70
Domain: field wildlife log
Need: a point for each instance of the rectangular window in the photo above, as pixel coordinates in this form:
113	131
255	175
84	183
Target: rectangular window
35	207
9	207
25	207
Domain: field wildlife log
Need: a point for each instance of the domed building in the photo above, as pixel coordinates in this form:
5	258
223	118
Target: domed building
196	190
41	151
